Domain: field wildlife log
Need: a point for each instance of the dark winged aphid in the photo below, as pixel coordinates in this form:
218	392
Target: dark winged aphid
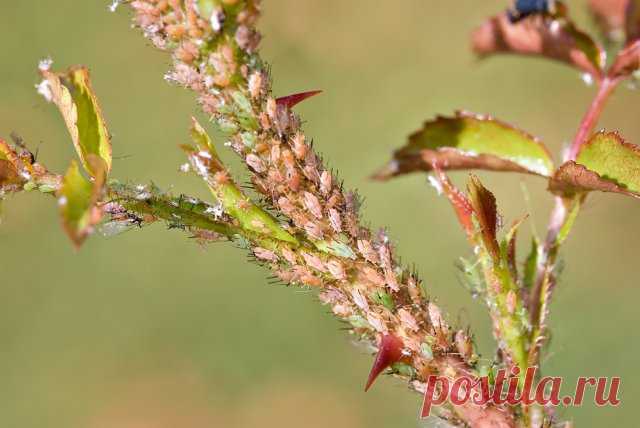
525	8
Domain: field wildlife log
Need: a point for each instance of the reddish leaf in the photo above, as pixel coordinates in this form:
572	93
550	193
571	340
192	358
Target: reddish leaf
632	21
610	15
459	201
389	353
627	61
291	101
486	213
572	178
555	38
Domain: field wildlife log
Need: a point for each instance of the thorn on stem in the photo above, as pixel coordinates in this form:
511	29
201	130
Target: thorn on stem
291	101
389	352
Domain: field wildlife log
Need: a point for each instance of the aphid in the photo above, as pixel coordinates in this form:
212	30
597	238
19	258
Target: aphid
299	146
314	261
524	8
325	182
337	270
408	320
335	221
313	205
255	163
367	251
266	255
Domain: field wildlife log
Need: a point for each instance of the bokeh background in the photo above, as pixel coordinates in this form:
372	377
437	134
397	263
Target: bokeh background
148	330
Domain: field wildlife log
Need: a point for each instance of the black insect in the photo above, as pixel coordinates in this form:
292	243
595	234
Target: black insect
525	8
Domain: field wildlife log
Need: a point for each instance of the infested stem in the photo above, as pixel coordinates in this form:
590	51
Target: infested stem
560	216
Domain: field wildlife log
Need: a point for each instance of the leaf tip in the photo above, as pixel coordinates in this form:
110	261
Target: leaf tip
387	172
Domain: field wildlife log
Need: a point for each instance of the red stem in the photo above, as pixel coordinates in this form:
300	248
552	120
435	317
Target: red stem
560	211
590	119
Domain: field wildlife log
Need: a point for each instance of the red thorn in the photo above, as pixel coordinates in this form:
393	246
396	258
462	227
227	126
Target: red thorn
291	101
389	352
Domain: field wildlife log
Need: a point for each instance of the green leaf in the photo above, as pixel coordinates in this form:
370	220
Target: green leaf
573	206
605	163
73	95
508	247
469	141
202	139
78	199
531	265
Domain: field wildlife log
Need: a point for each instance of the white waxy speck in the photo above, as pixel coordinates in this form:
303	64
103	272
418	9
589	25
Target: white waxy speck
359	300
62	201
114	5
44	89
143	196
435	183
185	167
587	78
170	77
216	22
376	322
45	64
204	154
216	211
566	149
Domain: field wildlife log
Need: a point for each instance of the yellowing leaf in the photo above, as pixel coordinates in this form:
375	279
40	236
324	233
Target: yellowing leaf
468	141
77	102
78	200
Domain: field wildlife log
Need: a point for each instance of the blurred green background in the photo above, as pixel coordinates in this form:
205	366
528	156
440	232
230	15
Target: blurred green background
148	330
